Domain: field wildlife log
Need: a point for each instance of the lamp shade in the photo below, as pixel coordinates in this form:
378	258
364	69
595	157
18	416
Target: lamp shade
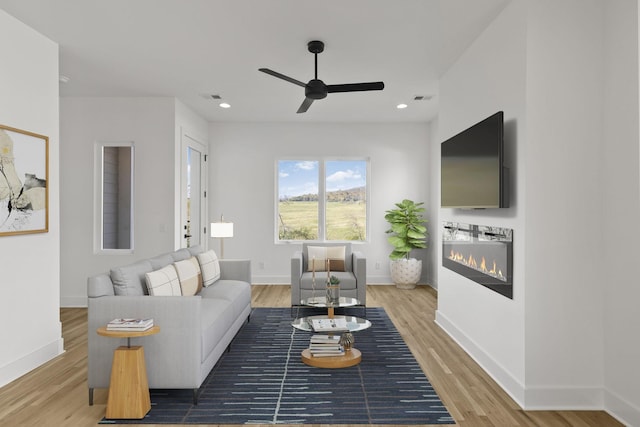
221	229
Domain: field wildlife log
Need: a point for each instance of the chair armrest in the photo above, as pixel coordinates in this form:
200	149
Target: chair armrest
296	274
360	271
235	269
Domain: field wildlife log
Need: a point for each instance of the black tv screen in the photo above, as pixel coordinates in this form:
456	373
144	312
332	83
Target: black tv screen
471	167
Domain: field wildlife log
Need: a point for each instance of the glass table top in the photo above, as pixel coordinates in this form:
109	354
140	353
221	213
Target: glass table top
354	324
322	302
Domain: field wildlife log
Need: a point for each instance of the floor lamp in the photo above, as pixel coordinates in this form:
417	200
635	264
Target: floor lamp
221	230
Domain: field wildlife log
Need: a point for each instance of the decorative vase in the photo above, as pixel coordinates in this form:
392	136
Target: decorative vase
406	273
347	340
333	294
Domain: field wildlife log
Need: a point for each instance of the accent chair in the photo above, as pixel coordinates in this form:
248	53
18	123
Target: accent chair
346	264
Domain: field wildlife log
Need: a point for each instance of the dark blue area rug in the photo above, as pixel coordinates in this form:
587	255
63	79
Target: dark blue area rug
262	380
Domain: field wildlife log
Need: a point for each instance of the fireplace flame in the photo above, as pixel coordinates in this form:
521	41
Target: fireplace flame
471	262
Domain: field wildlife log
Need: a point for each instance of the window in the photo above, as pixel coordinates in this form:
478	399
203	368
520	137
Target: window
323	200
114	197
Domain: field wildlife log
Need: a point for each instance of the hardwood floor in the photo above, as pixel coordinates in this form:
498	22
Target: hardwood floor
55	394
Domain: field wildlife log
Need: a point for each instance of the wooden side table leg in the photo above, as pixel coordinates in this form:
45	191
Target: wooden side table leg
129	387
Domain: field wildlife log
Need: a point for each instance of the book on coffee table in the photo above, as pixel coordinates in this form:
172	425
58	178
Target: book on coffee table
130	325
329	325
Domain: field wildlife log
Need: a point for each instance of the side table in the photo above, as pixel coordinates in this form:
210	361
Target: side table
128	387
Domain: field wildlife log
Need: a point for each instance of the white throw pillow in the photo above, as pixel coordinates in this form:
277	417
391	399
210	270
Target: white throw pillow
209	266
318	256
189	276
163	282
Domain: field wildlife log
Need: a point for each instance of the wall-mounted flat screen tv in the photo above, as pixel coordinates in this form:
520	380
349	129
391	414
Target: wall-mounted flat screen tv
472	172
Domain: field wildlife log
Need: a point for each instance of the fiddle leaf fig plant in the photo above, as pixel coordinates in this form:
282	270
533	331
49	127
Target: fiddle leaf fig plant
407	228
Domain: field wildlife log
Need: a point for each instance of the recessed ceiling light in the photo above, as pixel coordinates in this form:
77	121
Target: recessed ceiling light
401	106
225	105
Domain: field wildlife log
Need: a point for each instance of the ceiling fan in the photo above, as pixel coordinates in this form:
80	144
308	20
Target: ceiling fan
317	89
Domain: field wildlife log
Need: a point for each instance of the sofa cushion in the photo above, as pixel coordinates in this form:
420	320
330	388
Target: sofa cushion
347	281
217	318
238	293
209	266
160	261
189	276
195	250
319	255
130	279
181	254
163	282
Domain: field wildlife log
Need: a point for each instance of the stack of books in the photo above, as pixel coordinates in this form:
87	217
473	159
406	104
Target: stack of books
338	324
132	325
325	345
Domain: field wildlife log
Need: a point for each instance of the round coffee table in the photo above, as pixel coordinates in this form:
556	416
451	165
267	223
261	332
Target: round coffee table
352	356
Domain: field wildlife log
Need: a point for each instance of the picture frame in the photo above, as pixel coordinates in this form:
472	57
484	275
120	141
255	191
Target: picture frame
24	182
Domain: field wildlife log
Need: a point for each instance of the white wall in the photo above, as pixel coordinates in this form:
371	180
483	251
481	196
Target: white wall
564	311
30	329
566	75
489	77
150	124
621	179
242	184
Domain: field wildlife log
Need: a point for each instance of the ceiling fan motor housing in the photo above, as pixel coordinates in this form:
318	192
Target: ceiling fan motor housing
315	89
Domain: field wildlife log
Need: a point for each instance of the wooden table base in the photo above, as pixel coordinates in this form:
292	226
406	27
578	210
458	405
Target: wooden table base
351	358
128	388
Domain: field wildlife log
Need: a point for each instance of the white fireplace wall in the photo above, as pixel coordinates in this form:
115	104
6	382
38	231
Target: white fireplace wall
545	347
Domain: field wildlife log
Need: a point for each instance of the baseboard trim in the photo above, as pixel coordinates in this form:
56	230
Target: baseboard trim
621	410
504	379
564	399
541	398
73	302
24	365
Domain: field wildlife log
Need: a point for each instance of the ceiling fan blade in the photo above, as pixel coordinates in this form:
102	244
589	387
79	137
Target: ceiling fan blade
282	76
355	87
305	105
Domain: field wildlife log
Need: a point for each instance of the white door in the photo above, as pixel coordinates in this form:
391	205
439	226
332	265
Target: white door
193	204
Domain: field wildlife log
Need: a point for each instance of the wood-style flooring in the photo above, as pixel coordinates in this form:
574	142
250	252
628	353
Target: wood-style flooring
55	394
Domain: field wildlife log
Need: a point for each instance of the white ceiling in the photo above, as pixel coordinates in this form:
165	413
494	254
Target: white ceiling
187	48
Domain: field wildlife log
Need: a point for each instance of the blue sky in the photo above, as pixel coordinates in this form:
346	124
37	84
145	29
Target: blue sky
296	177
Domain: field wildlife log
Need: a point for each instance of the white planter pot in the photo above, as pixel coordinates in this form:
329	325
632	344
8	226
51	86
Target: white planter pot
405	273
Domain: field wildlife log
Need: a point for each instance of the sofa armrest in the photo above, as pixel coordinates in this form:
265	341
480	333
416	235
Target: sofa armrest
100	285
179	319
360	271
235	269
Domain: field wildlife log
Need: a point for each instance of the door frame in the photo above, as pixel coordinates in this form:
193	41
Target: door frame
187	140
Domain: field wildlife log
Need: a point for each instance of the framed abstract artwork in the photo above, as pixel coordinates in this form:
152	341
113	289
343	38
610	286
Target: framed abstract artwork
24	182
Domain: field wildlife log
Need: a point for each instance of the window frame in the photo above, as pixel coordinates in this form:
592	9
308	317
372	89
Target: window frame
322	198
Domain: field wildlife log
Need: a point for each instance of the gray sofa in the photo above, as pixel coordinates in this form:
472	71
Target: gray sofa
194	330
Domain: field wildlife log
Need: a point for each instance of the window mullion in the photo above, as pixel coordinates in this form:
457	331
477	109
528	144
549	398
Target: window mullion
321	202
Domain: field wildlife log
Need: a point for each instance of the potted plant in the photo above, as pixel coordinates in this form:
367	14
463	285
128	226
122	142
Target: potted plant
408	233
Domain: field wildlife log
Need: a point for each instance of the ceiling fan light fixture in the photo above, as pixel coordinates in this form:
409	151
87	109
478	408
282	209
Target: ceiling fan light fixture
316	89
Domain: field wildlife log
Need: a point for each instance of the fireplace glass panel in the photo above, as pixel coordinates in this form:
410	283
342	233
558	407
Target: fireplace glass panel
480	253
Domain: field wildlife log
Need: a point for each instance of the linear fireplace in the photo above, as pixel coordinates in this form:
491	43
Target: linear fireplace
481	253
